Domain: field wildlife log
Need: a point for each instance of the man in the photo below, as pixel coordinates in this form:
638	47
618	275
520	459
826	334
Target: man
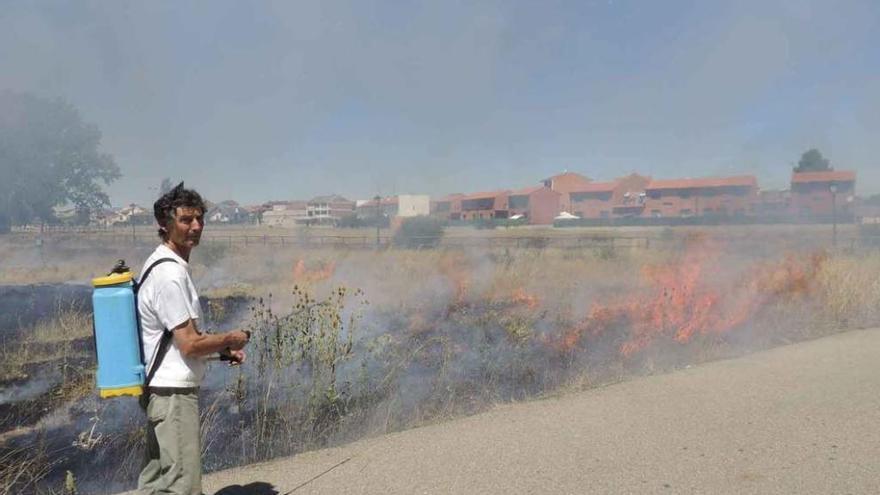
168	302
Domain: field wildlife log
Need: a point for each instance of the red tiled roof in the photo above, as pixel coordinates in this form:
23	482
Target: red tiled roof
829	176
449	197
740	181
596	187
371	203
484	195
331	198
526	191
568	174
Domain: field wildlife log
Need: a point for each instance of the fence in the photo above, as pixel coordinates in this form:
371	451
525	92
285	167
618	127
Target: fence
352	241
660	240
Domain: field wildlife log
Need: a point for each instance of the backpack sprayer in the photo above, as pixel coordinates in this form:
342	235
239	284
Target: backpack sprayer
116	325
118	346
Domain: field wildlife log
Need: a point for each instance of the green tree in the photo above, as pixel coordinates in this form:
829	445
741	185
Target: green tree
419	233
813	161
48	157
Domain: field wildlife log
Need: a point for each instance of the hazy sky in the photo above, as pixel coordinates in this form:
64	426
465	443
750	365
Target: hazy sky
279	100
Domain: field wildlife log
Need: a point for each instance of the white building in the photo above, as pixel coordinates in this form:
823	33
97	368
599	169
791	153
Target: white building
124	214
404	205
413	205
286	215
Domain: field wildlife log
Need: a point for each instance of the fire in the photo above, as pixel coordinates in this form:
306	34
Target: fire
695	295
457	269
521	297
685	299
304	275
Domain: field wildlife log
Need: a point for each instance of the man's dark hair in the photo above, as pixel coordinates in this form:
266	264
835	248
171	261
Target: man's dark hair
166	206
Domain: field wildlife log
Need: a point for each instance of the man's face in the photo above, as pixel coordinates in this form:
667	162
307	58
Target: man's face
185	229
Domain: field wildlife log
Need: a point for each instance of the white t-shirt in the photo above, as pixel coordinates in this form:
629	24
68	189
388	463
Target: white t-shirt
167	299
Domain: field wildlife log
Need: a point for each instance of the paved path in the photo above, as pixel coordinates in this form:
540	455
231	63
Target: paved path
799	419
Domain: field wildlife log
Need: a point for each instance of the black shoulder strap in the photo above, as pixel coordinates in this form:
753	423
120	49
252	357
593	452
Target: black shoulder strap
149	269
165	342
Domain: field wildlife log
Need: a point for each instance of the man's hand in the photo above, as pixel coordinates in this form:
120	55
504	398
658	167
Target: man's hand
237	339
236	357
193	343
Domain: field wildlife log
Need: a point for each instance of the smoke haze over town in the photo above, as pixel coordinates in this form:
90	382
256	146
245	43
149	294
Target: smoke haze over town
283	100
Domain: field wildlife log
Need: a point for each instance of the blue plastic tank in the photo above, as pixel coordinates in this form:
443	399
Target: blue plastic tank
117	337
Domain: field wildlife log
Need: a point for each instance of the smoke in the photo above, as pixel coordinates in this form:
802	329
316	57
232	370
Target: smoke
27	391
281	100
440	333
347	97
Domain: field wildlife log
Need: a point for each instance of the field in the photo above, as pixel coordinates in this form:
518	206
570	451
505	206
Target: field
787	236
353	342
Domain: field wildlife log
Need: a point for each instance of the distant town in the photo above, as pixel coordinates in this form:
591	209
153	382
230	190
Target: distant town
568	198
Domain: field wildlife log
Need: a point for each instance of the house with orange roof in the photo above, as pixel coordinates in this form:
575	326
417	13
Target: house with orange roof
564	183
447	207
538	204
821	194
593	200
485	205
621	198
773	205
712	196
328	210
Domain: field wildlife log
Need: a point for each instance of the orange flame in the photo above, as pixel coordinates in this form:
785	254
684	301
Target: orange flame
303	275
680	302
520	296
457	270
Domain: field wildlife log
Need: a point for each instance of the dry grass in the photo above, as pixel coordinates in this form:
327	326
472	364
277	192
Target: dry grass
68	324
850	288
21	470
47	341
60	259
67	257
450	331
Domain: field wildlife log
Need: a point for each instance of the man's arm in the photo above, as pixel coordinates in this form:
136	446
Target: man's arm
194	344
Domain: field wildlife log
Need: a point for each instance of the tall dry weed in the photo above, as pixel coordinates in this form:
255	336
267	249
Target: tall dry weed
850	289
450	332
22	469
48	340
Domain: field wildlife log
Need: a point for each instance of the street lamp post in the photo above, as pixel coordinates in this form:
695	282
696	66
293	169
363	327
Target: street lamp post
378	200
133	231
834	215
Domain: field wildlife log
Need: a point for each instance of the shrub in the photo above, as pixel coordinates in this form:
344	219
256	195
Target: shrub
606	252
536	242
485	224
350	222
516	223
419	233
295	394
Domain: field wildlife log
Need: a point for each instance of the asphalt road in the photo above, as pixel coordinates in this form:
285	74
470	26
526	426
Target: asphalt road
799	419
